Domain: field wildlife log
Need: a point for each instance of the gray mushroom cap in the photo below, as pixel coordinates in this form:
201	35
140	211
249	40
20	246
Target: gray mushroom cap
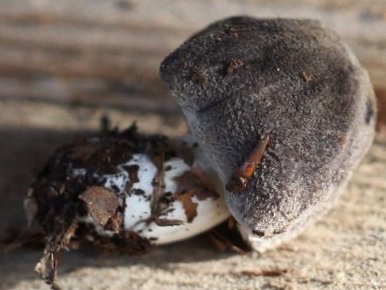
241	78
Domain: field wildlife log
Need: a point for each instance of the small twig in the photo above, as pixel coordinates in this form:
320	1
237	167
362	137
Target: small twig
261	272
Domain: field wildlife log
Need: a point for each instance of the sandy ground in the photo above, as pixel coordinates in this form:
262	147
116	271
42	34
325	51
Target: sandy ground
344	250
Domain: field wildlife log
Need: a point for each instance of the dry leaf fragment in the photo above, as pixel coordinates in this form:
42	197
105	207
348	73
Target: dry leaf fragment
101	203
190	207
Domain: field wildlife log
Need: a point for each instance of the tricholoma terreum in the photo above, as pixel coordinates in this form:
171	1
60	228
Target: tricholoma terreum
282	113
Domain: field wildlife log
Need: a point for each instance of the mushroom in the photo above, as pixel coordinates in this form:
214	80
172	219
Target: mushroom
282	112
296	81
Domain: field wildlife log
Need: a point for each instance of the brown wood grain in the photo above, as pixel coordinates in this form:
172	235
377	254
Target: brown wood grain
108	52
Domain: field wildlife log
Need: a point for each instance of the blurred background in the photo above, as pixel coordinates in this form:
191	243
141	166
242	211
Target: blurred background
98	53
66	64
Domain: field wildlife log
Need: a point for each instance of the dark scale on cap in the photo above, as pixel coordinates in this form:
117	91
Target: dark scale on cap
243	77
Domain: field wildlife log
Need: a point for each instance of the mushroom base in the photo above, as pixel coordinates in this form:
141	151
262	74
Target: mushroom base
125	191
